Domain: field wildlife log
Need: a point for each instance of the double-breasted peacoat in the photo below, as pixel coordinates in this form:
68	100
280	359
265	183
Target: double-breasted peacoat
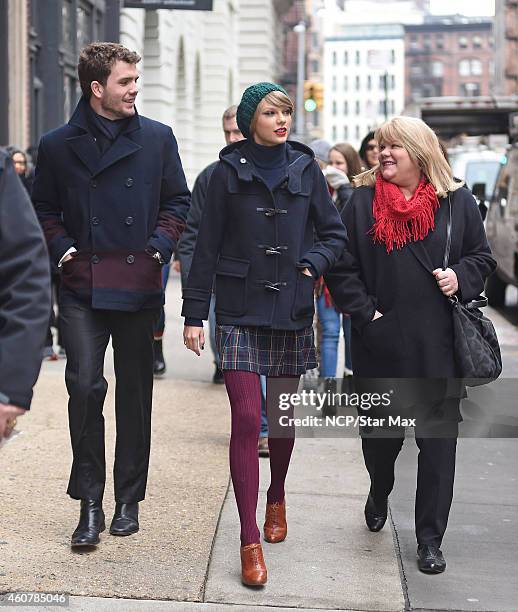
414	338
116	209
257	241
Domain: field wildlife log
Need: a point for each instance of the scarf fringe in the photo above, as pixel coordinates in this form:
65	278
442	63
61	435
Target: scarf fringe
398	221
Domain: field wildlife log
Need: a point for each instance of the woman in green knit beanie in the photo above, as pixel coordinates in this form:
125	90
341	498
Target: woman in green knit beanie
269	227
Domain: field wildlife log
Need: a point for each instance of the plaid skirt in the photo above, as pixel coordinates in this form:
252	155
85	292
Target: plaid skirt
271	352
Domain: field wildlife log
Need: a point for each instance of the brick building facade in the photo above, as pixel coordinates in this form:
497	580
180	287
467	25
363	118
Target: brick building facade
449	56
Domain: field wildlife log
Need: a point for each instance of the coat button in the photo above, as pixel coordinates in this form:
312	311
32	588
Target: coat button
128	220
95	220
130	259
95	259
93	184
242	160
129	182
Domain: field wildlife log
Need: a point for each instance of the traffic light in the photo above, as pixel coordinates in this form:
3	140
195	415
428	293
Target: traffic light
313	96
309	96
318	93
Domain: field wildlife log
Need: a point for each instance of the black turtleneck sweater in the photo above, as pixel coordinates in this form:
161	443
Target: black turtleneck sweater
270	162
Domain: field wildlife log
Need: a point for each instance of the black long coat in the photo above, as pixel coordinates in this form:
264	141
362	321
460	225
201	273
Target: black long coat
257	241
112	208
24	290
414	337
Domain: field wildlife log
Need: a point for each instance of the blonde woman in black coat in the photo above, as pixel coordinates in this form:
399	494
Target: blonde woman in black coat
390	279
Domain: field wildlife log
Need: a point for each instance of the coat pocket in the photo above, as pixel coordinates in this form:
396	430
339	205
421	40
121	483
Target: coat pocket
383	337
231	285
303	303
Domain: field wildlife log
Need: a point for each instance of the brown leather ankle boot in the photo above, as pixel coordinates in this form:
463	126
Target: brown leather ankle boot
275	526
253	568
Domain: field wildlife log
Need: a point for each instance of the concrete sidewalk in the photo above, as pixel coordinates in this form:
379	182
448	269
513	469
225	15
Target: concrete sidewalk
186	556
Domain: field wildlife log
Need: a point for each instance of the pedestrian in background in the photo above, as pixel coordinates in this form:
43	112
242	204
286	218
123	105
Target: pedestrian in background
26	175
369	151
268	230
343	164
111	220
390	279
24	296
186	245
232	134
21	165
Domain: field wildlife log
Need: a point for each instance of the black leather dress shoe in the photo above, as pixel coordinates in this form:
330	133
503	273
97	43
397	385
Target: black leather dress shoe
125	519
91	524
430	559
159	366
375	514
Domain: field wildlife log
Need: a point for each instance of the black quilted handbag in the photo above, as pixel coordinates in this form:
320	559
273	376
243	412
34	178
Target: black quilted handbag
475	343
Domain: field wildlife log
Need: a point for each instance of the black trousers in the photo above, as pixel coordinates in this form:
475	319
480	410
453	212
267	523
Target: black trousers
86	333
435	476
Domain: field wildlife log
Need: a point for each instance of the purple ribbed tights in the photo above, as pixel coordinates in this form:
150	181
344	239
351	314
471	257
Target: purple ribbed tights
244	392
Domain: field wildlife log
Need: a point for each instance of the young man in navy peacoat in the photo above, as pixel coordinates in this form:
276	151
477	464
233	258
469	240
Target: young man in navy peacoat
111	196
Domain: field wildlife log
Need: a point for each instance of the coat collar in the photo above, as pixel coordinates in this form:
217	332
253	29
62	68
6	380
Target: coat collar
85	148
299	157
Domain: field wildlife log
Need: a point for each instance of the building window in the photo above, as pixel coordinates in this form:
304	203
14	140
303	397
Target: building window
416	69
346	83
334	107
426	41
357	132
464	68
392	56
346	58
381	107
470	89
470	67
369	82
463	42
382	82
357	83
334	58
84	25
439	41
393	107
393	82
334	83
315	66
333	132
414	43
346	132
357	57
477	42
437	69
346	108
476	67
357	107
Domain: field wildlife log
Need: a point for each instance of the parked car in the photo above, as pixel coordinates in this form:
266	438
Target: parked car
480	170
502	229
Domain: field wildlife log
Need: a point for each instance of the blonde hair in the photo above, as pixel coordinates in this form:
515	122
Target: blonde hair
278	99
422	146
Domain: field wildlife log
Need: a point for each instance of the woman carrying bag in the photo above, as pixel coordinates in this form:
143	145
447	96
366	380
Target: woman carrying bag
269	228
392	282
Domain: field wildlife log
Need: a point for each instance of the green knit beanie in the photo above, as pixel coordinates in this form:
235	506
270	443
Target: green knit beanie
250	101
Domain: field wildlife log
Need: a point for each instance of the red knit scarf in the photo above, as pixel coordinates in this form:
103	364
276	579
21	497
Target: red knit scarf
398	220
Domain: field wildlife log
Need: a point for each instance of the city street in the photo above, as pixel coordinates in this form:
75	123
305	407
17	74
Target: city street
186	555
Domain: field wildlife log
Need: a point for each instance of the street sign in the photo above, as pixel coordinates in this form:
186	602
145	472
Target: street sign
187	5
